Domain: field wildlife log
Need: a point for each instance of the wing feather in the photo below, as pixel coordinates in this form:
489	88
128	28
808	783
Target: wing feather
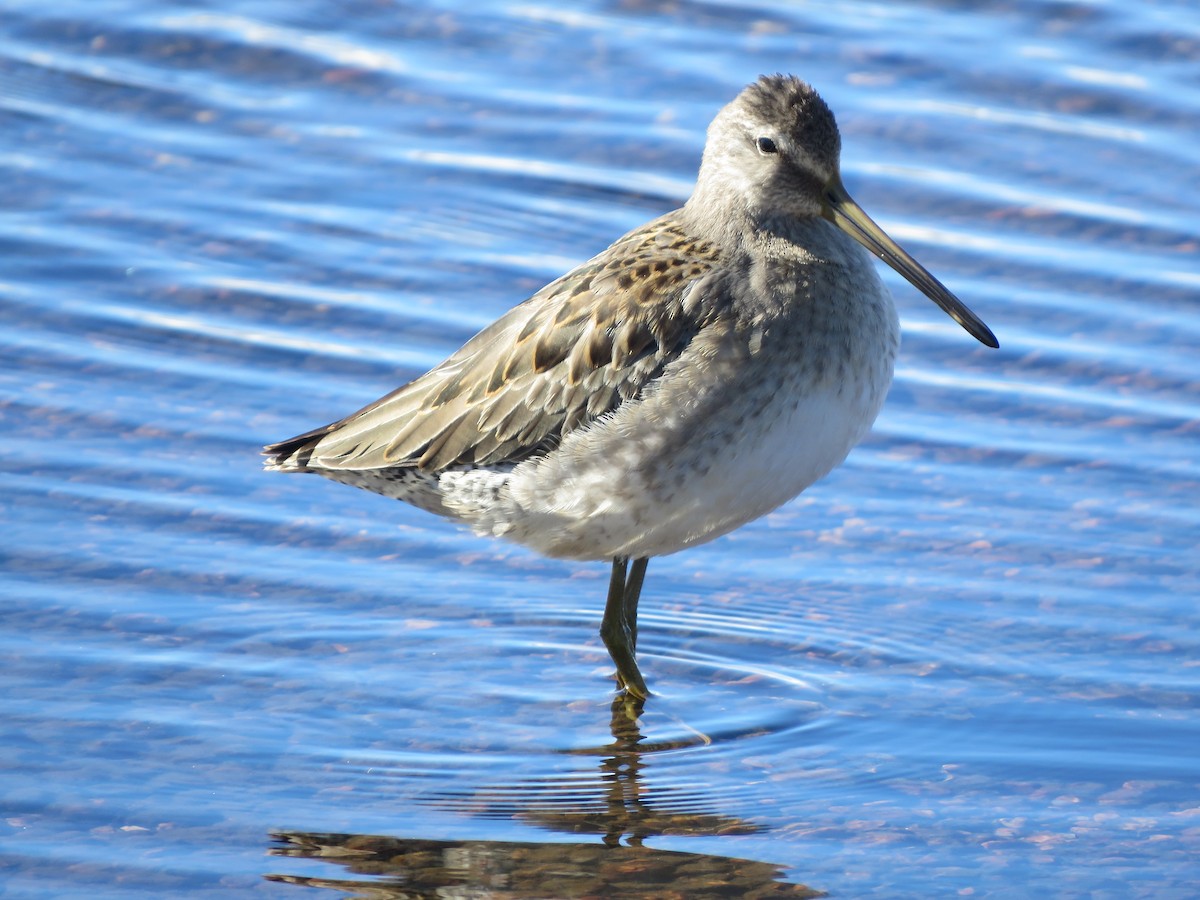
572	353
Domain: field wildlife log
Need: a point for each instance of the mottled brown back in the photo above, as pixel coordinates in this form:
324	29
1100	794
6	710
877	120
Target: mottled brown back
573	352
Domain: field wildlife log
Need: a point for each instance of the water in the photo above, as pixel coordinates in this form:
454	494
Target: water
965	663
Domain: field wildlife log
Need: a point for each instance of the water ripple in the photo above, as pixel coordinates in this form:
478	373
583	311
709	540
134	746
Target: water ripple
964	662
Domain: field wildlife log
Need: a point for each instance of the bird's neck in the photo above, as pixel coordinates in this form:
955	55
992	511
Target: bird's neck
726	220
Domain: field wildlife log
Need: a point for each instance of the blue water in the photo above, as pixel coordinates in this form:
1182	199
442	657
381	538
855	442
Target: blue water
967	663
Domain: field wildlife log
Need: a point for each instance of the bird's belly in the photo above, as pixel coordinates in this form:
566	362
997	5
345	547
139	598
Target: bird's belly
724	481
778	453
649	487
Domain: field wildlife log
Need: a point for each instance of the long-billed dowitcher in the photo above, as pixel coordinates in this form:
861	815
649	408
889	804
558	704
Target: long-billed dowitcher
705	368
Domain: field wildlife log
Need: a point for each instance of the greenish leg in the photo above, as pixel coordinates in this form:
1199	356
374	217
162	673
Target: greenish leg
633	591
614	627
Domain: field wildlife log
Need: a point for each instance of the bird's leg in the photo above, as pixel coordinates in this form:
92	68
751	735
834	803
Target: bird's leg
633	590
614	629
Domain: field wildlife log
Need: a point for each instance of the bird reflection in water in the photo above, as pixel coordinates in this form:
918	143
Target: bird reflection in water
618	807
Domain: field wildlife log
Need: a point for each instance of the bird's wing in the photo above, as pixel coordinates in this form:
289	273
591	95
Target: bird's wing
573	352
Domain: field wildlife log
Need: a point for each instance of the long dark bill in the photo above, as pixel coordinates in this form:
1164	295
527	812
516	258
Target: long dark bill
842	211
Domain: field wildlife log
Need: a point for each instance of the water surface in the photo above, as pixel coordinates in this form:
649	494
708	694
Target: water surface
965	663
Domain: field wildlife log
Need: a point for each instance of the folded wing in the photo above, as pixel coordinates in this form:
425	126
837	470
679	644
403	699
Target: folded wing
575	351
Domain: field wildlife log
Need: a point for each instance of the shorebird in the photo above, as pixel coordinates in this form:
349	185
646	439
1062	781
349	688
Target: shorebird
704	369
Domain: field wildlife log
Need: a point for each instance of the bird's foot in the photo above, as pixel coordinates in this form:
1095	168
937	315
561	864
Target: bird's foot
630	680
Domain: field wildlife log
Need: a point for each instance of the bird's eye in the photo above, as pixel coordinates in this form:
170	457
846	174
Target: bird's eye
766	145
